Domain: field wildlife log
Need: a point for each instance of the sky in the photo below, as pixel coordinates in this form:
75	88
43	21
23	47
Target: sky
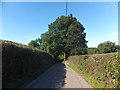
26	21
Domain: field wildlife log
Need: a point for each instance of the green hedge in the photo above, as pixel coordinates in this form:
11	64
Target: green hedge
21	63
101	70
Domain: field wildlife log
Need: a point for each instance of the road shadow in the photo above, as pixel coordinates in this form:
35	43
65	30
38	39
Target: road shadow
54	77
59	77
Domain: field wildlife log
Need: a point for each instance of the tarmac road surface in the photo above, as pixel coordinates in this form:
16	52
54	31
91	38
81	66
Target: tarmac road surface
59	76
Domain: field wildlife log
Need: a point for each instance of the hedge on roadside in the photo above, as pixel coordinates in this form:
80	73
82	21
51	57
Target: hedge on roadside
104	68
20	63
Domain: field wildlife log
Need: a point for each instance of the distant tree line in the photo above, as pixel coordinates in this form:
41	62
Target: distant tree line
105	47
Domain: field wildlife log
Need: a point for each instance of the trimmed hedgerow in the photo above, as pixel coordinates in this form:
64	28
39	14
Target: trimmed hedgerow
21	63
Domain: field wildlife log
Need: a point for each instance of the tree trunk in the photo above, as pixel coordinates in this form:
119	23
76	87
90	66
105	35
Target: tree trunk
65	56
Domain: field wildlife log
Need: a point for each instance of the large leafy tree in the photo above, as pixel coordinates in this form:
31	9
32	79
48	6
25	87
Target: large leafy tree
65	36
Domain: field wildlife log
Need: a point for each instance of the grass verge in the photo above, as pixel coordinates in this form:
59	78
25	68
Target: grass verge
88	78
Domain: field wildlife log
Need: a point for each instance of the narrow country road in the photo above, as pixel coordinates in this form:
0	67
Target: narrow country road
59	76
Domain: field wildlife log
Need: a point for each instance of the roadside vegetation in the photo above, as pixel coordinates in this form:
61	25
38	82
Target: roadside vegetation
100	70
21	64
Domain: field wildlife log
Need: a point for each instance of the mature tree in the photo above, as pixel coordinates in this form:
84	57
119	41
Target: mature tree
107	47
65	36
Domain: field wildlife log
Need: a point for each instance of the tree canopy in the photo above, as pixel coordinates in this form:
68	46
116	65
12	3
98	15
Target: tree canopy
65	36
